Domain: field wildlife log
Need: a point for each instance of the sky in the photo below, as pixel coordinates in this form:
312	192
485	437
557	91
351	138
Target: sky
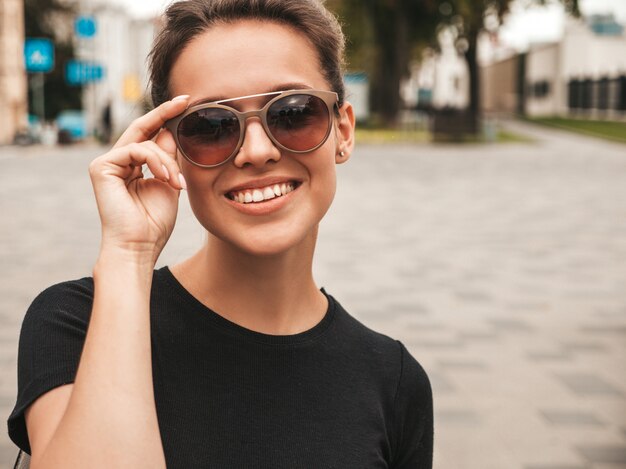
521	27
545	24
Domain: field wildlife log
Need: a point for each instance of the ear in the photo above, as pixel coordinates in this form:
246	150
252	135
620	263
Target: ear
345	133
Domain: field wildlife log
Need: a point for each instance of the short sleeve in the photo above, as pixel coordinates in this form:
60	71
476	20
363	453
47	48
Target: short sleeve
51	341
413	416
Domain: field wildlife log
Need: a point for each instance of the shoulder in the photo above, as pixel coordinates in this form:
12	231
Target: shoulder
69	299
354	331
411	378
413	384
382	349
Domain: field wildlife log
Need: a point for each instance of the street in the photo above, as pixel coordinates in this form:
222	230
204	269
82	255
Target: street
501	267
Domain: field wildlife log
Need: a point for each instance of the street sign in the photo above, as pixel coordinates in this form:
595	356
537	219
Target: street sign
79	72
38	55
85	27
131	90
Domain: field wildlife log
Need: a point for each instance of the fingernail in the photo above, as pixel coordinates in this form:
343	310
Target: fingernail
183	183
182	97
167	173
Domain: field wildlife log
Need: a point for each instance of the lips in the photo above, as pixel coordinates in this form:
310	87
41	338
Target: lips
254	193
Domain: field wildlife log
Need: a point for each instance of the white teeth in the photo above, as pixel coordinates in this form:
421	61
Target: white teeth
261	194
268	193
257	195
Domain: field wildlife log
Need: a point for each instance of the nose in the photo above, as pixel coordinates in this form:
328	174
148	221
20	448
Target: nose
257	148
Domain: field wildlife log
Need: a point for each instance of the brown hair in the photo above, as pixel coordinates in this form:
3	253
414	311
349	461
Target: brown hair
186	19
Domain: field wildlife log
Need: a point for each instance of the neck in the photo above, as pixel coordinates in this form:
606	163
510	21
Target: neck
270	294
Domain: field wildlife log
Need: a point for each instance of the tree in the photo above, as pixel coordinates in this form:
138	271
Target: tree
53	19
382	36
468	19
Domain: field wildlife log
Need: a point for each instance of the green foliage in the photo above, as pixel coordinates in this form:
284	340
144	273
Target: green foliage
382	37
46	18
610	130
385	35
467	19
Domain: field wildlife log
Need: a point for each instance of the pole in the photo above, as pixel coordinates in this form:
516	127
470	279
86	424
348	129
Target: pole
39	103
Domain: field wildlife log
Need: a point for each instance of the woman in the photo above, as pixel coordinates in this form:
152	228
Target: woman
233	358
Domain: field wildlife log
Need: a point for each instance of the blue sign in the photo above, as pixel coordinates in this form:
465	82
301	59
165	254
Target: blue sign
85	26
78	72
38	55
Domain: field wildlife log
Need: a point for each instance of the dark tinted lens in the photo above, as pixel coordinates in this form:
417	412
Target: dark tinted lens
299	122
209	136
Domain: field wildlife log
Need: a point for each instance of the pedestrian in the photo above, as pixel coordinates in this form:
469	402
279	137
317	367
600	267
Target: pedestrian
233	358
107	123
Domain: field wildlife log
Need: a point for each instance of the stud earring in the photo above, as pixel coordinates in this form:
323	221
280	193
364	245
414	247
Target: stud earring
342	154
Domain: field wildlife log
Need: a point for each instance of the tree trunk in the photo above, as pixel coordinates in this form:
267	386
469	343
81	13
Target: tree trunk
391	34
471	58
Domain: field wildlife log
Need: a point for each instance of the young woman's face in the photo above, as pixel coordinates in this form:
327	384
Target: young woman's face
241	59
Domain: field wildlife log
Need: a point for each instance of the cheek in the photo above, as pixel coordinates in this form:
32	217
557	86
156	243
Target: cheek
199	187
324	180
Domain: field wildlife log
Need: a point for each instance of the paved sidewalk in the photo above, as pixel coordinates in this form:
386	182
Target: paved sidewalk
501	267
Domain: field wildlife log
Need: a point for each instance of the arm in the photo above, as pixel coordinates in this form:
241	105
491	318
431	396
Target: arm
107	418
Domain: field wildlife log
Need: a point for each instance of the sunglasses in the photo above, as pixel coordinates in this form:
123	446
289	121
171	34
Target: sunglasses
298	121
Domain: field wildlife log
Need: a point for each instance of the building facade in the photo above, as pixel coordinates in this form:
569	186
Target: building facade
13	81
120	46
502	86
582	75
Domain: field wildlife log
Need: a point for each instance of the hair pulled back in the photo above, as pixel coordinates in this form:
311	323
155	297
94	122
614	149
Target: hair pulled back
186	19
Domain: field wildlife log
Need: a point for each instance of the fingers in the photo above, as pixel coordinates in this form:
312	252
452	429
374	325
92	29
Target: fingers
169	165
125	163
166	141
147	126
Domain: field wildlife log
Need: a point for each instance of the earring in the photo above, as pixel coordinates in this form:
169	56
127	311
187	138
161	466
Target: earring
342	154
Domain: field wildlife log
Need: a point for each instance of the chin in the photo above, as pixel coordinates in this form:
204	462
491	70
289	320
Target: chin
276	245
269	242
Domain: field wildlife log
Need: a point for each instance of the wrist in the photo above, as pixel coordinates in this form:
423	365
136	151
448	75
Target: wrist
122	257
134	253
122	271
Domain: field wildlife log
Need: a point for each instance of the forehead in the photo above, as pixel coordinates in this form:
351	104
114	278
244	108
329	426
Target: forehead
244	58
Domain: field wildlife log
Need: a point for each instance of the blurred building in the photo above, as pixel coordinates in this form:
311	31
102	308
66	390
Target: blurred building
582	74
440	80
120	46
502	86
13	84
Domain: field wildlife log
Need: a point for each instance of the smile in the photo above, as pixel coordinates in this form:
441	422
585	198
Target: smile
262	194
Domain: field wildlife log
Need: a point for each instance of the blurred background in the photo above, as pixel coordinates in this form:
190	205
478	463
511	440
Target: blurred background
74	70
480	221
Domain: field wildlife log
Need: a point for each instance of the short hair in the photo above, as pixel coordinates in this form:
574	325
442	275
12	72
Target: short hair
186	19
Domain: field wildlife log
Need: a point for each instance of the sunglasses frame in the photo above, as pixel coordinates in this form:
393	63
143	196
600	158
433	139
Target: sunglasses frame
330	98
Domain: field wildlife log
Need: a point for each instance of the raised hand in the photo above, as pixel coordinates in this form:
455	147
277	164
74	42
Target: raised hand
138	214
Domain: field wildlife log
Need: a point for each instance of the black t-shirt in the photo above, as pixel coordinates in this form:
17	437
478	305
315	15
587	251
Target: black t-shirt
336	396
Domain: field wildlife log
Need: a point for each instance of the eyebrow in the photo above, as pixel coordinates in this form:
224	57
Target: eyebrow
275	89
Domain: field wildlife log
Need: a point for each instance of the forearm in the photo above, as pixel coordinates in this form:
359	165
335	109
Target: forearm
111	416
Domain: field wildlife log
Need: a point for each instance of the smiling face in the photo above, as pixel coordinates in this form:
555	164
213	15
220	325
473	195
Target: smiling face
265	200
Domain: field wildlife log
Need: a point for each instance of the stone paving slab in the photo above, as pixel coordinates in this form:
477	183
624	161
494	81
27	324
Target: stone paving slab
501	267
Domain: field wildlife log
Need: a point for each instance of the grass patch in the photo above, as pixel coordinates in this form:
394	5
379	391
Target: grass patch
609	130
368	135
391	136
510	137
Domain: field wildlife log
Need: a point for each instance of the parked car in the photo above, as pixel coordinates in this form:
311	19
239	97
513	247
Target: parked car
71	125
